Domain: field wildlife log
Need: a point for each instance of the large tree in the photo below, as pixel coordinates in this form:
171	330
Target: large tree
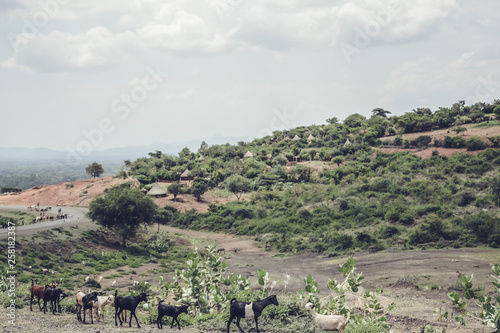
175	189
380	112
238	185
123	210
199	187
95	169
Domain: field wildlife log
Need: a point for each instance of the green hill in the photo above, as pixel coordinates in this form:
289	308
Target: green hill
325	188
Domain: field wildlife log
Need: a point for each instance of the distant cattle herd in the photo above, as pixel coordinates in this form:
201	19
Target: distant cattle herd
43	216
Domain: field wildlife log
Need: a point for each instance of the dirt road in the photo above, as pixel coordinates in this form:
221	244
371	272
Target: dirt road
76	216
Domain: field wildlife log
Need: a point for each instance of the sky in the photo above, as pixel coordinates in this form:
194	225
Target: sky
85	75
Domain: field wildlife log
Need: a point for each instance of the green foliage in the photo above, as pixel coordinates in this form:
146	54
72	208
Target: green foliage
203	284
95	169
199	187
237	185
489	305
373	316
475	143
124	209
175	189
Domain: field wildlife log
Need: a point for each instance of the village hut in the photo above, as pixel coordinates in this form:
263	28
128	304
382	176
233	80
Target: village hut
347	142
310	138
296	138
248	154
186	175
157	191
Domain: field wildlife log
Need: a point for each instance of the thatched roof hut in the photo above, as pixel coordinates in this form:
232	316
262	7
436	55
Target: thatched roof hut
157	191
186	175
248	154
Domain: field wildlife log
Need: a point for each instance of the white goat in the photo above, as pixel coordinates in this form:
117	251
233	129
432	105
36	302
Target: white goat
102	301
328	322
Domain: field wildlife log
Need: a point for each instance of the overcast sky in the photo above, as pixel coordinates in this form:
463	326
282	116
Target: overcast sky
94	74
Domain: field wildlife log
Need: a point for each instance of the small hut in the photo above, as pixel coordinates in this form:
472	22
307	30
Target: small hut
248	154
310	138
296	138
347	142
157	191
186	175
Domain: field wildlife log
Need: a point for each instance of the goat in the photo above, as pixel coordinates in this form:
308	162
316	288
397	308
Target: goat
128	303
37	290
328	322
85	302
123	316
171	311
249	309
101	302
54	296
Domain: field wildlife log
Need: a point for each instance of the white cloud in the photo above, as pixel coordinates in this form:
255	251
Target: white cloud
219	25
59	51
391	21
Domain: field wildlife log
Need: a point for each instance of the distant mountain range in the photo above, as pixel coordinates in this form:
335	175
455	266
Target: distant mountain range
8	155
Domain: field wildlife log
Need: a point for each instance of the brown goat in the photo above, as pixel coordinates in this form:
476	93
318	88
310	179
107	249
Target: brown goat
37	290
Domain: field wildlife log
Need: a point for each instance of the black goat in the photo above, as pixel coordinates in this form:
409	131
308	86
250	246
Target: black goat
171	311
128	303
37	290
54	296
87	303
249	309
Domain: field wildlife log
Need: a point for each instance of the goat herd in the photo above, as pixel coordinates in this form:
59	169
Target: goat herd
96	301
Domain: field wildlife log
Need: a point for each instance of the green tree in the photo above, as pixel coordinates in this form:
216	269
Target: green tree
123	210
95	169
163	216
175	189
338	160
495	188
496	110
199	187
475	143
380	112
495	140
355	120
459	129
332	120
237	185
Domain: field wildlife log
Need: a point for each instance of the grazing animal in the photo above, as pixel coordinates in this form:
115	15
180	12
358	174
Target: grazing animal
240	310
128	303
85	302
54	296
328	322
171	311
37	290
99	305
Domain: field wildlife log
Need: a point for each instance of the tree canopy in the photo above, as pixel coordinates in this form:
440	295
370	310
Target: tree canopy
238	185
123	209
95	169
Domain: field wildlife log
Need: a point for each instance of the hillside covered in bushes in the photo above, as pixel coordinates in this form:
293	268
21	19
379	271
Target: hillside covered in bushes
329	189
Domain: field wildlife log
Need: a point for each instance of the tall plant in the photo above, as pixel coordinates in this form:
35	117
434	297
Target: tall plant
203	284
490	305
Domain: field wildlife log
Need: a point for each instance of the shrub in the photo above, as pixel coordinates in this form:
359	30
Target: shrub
475	143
